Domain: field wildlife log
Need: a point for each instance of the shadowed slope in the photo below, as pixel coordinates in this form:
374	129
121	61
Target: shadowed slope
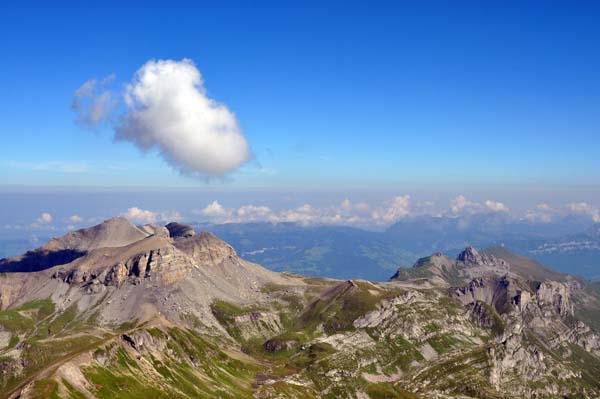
115	232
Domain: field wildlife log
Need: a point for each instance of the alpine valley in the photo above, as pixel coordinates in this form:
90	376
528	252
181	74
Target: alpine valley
125	311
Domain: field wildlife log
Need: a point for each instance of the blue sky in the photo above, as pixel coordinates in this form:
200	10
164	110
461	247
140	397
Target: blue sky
344	95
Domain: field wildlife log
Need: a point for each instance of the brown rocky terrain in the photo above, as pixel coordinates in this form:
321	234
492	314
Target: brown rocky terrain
153	311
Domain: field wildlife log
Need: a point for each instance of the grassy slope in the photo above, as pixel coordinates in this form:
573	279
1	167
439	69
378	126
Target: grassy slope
180	363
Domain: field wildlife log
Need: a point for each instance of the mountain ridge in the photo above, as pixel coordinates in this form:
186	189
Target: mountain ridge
178	314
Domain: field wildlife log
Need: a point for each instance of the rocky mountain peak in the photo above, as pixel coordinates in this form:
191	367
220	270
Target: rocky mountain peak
114	232
177	230
470	255
205	248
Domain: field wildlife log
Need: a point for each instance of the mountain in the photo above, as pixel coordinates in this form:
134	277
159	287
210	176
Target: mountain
579	253
174	313
471	263
324	251
346	252
115	232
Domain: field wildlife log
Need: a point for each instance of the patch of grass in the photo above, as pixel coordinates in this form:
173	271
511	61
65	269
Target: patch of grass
109	384
387	391
337	310
25	317
442	343
432	327
225	313
192	319
44	389
587	363
61	321
14	340
73	393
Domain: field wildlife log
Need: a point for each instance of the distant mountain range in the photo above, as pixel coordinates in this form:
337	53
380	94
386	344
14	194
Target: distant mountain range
346	252
571	245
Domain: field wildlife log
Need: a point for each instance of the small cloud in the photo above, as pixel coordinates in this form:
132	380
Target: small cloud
75	219
45	218
42	223
143	216
542	206
585	208
461	204
251	213
215	210
533	216
92	103
496	206
304	214
140	215
542	213
346	205
393	210
350	206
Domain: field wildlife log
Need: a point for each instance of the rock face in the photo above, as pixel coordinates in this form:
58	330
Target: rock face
531	321
470	255
555	298
177	230
494	291
205	248
440	269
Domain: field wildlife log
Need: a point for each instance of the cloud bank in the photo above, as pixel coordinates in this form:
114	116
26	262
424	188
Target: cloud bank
166	109
143	216
346	213
586	209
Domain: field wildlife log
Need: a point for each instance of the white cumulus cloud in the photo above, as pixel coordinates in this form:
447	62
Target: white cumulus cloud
252	213
143	216
461	204
76	219
393	210
43	222
346	214
168	110
585	208
45	218
216	211
543	212
496	206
